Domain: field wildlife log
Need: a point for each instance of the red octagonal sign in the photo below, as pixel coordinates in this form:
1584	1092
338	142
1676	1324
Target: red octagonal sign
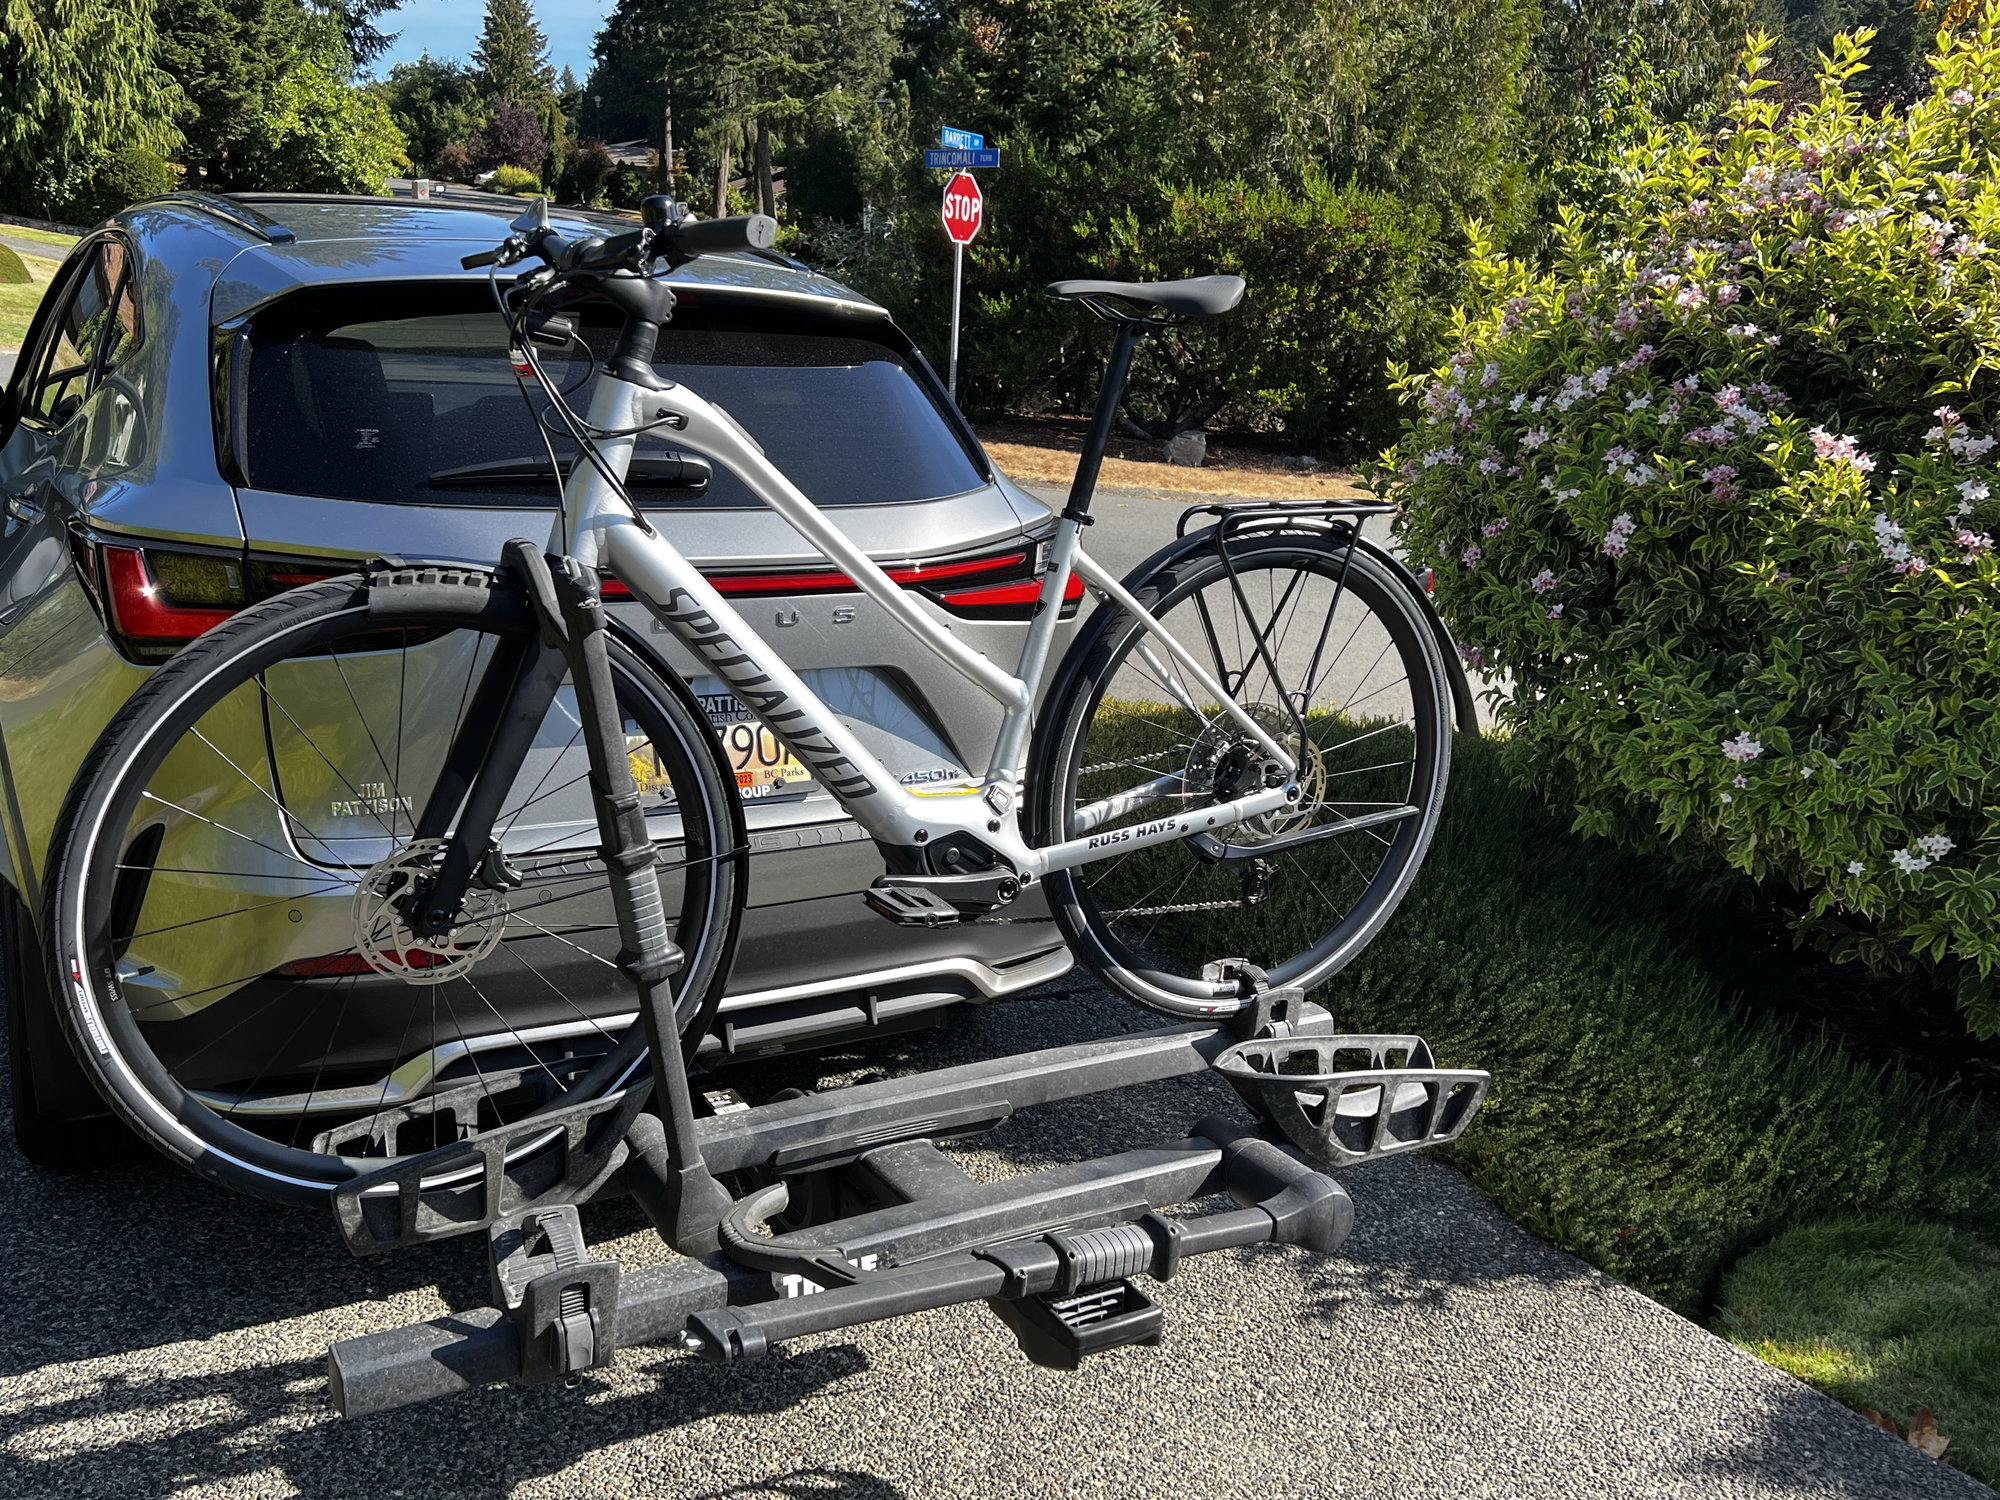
964	208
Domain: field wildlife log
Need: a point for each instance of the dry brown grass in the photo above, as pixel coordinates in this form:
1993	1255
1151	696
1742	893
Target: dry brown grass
1045	452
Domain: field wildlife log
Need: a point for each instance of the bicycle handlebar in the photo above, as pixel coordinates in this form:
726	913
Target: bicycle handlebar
694	237
680	240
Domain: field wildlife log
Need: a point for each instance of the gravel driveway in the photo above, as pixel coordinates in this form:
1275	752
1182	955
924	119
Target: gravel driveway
161	1338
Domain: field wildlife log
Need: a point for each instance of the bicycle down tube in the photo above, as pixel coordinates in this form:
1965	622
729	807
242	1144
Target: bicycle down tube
600	530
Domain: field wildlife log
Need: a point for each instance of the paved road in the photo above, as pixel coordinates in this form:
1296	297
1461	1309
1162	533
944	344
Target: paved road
162	1339
33	247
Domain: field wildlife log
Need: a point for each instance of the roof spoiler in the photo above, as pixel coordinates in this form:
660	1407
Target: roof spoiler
238	215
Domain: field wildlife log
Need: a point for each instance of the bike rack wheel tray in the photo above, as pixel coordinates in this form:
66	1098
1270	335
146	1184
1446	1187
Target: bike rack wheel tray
1053	1251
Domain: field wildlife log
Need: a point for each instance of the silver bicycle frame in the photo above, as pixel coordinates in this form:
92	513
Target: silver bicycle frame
600	530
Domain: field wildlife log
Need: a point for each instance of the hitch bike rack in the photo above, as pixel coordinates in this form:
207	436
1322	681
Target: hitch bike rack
1052	1252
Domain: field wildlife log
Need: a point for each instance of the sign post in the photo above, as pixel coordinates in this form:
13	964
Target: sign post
964	210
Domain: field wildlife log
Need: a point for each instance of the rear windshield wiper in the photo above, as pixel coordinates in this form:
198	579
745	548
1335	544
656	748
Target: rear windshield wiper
649	471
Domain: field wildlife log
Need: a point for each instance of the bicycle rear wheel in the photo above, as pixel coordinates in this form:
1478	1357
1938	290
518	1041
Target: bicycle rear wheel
1326	649
227	890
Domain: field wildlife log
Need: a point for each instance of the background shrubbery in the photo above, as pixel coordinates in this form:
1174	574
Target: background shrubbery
1718	492
511	179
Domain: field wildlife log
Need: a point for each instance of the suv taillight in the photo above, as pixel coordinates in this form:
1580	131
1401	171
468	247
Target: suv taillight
995	586
158	599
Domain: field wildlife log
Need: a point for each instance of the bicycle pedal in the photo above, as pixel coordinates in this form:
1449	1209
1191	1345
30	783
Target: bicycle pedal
910	905
1058	1332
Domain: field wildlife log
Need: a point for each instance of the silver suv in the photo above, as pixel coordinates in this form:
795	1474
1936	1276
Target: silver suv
224	397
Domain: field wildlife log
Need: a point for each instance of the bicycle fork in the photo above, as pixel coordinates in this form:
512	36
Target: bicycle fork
514	698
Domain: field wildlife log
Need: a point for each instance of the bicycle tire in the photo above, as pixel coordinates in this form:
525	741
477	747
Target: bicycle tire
255	654
1104	909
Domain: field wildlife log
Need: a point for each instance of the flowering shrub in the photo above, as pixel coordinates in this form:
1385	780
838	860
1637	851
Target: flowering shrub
1719	494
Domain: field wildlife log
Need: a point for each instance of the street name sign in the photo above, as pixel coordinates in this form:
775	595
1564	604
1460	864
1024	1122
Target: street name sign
961	160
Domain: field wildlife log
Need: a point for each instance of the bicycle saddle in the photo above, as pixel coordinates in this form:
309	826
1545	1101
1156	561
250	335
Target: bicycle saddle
1197	297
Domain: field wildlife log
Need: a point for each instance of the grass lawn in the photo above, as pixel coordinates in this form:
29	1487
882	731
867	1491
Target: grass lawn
1649	1119
1640	1117
1889	1316
18	302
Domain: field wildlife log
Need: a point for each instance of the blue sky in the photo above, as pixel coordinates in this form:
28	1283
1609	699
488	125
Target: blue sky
450	29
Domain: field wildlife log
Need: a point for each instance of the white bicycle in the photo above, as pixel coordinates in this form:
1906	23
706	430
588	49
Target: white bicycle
1227	780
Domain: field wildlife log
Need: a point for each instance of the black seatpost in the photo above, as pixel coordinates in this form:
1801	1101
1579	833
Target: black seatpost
1098	438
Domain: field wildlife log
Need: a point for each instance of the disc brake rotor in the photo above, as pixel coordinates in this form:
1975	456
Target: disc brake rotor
383	935
1222	736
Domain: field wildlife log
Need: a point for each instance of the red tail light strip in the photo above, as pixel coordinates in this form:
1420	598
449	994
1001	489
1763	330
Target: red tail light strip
833	581
144	613
332	964
996	595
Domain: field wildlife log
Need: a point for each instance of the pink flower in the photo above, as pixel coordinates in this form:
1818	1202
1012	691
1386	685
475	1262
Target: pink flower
1841	450
1494	528
1960	97
1542	582
1470	556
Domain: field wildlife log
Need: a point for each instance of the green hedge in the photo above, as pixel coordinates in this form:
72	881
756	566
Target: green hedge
1720	495
1638	1117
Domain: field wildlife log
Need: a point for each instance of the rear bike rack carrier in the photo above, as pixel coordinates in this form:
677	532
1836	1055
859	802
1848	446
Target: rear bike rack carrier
1052	1252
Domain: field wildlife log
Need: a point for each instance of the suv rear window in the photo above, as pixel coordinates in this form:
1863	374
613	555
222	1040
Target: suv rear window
380	393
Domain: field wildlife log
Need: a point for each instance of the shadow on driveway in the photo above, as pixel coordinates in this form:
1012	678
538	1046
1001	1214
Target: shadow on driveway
162	1337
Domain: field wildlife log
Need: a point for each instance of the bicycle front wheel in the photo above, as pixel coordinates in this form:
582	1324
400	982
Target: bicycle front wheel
1324	647
233	872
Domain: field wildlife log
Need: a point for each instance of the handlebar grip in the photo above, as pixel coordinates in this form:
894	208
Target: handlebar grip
709	236
483	258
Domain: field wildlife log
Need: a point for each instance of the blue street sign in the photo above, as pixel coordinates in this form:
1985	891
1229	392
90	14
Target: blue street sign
960	160
961	140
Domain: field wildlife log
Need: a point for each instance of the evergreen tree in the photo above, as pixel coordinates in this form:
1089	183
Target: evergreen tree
360	38
513	55
225	55
77	77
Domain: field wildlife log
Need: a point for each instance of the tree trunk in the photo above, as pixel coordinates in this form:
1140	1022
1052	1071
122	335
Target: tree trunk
767	197
722	176
667	145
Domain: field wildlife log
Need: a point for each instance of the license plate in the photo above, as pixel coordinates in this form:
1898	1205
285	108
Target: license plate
764	767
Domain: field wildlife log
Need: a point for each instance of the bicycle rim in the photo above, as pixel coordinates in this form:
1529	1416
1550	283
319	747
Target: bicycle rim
246	989
1327	651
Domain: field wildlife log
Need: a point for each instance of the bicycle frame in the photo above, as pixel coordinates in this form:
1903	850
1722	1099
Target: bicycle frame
601	530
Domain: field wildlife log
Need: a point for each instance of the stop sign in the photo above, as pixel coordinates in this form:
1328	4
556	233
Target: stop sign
964	208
